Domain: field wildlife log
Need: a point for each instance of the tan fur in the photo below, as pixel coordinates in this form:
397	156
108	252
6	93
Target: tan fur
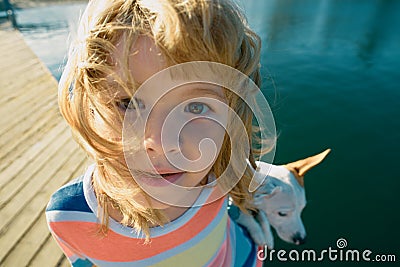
301	167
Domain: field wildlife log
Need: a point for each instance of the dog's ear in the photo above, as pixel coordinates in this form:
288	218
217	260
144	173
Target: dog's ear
266	194
301	167
275	190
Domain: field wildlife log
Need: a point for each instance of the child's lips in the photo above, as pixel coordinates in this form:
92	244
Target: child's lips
172	177
164	179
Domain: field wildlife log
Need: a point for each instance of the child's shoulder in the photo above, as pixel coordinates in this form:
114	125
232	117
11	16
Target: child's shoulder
69	197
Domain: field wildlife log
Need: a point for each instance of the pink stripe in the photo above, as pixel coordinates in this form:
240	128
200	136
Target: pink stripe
224	256
228	256
259	263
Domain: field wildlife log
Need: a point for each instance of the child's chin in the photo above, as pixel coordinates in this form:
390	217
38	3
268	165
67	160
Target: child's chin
159	205
178	202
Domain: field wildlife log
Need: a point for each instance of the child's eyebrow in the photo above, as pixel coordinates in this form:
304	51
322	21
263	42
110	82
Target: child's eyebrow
206	91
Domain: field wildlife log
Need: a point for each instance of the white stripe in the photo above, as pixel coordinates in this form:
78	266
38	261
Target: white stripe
70	216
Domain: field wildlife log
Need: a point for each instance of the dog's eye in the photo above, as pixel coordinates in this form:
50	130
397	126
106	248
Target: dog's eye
282	214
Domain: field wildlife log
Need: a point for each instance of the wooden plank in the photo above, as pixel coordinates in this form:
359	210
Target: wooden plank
27	205
10	210
37	235
50	246
27	129
17	165
46	102
11	40
23	102
36	158
48	255
9	85
29	69
42	103
25	149
21	254
14	152
16	47
64	263
25	96
21	66
37	155
24	56
14	90
7	37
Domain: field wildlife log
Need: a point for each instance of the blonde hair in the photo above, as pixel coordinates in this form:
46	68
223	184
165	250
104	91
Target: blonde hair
191	30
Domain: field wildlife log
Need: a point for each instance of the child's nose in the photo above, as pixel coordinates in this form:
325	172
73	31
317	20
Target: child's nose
160	135
154	146
159	141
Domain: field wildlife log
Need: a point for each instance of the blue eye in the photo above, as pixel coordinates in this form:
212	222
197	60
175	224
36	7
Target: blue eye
127	104
197	108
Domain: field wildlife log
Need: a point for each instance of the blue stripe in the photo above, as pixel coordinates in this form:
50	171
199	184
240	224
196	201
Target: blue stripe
249	246
232	232
82	263
244	247
69	197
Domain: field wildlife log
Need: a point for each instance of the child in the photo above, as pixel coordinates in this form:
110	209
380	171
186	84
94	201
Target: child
157	191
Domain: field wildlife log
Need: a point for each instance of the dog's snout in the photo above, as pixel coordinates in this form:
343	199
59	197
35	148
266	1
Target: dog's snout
298	239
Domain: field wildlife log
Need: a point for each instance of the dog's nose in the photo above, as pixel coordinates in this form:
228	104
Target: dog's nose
298	239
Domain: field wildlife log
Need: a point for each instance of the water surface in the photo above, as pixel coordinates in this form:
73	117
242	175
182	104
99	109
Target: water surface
331	71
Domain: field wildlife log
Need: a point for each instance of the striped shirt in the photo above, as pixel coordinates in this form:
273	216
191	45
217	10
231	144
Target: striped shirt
203	236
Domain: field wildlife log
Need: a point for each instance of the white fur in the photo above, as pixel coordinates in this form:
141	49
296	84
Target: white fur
282	199
259	229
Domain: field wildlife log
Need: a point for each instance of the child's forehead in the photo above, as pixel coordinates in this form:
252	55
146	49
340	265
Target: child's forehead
141	61
135	61
144	60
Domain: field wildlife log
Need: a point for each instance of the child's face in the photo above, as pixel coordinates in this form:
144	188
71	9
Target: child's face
176	122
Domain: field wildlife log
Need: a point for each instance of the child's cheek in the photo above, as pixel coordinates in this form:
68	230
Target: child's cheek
196	131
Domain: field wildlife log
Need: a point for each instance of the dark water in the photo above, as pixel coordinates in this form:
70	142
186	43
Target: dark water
331	73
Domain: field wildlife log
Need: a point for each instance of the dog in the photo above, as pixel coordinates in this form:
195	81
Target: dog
280	200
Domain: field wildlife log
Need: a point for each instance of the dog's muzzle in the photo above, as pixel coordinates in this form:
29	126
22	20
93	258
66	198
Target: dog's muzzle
298	239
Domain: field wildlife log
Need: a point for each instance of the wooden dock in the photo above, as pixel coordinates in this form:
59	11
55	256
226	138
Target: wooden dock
37	155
